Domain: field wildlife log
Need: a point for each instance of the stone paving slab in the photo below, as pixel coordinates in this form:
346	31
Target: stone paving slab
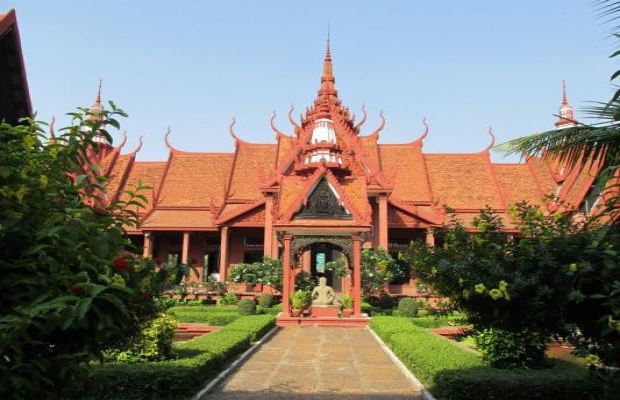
317	363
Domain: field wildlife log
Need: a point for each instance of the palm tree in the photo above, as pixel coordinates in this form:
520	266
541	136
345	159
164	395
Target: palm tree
583	143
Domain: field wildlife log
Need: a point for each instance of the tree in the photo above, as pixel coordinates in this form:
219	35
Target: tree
597	308
378	269
68	289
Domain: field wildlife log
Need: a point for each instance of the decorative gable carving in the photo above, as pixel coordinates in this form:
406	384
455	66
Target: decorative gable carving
323	203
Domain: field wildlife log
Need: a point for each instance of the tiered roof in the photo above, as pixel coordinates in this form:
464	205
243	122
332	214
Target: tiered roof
204	191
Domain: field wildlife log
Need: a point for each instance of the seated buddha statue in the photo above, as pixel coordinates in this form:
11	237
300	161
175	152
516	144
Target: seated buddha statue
323	295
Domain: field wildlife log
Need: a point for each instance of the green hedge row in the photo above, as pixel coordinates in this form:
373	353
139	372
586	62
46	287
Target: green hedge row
450	372
216	316
200	360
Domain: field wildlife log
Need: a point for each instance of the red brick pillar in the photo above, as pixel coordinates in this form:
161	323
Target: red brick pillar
148	245
286	284
185	251
224	254
383	221
430	237
357	276
268	241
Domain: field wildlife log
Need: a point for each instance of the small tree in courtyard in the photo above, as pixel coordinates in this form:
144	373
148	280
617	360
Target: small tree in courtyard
378	269
514	289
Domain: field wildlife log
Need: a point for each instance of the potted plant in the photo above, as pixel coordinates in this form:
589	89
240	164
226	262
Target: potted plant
347	305
299	301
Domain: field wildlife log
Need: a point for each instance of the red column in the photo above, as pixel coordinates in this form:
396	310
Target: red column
357	276
185	251
224	254
286	284
383	221
430	237
268	241
148	245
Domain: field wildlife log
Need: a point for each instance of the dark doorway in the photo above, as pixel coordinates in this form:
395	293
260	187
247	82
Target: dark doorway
322	253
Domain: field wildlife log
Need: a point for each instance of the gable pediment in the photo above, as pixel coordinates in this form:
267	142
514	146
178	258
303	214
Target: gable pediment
323	202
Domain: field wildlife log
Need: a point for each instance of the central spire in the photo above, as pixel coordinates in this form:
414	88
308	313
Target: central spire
327	95
327	79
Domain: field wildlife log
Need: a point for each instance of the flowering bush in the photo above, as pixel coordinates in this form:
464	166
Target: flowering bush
268	272
66	293
378	269
516	285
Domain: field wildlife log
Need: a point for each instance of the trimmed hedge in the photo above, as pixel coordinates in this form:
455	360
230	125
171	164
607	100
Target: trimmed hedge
216	316
201	359
450	372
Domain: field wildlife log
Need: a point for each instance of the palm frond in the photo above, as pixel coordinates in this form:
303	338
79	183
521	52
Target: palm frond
574	146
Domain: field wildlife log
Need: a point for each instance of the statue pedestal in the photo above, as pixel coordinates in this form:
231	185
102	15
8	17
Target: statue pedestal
324	311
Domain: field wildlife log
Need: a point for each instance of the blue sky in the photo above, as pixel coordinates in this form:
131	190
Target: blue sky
193	65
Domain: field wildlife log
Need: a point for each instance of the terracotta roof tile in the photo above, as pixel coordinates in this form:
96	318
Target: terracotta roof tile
462	181
575	193
195	179
517	183
543	175
371	149
149	174
407	161
355	192
290	188
118	172
252	164
179	219
285	145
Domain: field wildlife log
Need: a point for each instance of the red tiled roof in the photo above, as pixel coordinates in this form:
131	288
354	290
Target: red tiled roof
517	183
462	181
543	175
253	163
148	174
407	162
195	179
179	220
118	173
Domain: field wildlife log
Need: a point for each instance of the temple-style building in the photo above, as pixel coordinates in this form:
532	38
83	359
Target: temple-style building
322	193
14	94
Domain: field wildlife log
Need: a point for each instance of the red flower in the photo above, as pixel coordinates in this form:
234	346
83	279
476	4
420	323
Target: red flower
157	261
147	296
76	290
120	264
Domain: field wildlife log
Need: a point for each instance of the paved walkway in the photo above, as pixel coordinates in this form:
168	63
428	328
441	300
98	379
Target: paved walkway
317	363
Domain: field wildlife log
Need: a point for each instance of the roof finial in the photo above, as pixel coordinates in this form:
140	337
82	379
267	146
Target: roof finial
566	113
99	92
564	101
97	109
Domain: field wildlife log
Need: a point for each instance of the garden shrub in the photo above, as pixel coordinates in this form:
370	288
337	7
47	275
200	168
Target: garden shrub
216	316
407	307
385	301
265	300
229	299
247	307
502	349
152	343
432	322
200	360
450	372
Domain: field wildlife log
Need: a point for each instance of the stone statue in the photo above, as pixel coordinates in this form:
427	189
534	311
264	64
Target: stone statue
323	295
